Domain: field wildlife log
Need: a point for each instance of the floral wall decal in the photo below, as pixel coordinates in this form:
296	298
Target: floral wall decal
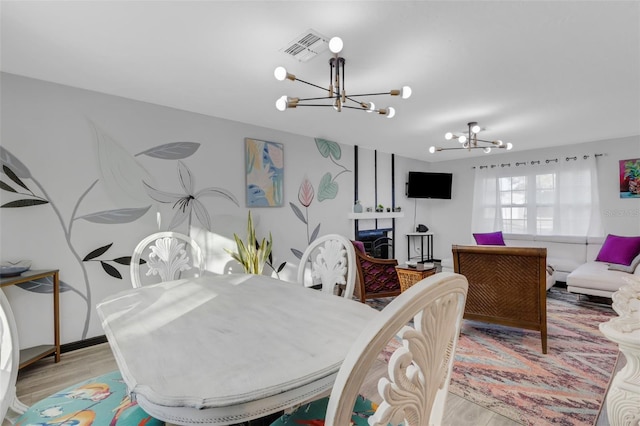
305	196
189	202
264	165
120	175
327	189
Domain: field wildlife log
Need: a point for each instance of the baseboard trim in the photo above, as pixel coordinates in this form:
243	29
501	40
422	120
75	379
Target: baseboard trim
81	344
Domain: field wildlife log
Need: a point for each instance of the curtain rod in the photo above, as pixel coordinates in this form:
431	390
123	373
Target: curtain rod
533	162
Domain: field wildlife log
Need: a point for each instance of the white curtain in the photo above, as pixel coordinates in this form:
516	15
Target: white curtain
574	200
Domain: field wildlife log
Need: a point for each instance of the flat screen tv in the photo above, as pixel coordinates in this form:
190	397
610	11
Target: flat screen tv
429	185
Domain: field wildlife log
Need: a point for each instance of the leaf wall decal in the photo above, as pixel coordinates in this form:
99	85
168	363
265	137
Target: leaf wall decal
44	286
297	253
24	203
327	189
6	187
314	234
116	216
97	252
11	161
13	177
328	148
111	270
298	213
173	150
125	260
120	173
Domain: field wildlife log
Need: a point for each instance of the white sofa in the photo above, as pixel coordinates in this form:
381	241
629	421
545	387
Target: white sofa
573	261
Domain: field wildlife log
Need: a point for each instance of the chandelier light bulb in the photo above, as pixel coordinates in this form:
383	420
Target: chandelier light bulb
335	45
509	146
406	92
448	136
498	142
281	103
371	107
487	149
462	139
391	112
280	73
432	150
475	128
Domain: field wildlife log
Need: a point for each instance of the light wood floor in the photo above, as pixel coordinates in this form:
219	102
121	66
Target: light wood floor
46	377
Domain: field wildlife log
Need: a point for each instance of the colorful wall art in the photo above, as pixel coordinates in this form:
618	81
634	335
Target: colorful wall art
630	178
264	165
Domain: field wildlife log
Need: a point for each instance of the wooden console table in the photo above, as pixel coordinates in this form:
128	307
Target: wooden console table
30	355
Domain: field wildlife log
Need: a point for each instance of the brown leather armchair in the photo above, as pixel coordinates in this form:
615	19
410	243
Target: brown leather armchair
376	277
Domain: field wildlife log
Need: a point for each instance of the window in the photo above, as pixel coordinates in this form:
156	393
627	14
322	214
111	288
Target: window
527	203
552	199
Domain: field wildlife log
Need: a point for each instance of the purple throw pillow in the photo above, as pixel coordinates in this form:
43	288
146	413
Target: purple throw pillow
489	239
620	250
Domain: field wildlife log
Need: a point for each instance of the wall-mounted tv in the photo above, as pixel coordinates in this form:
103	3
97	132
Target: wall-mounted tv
429	185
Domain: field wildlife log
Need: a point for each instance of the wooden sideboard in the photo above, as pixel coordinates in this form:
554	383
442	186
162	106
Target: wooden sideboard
30	355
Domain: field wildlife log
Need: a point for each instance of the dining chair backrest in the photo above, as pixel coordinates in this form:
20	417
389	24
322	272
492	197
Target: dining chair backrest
99	400
168	256
420	368
9	356
331	261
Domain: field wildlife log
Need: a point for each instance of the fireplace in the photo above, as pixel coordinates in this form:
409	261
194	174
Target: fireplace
377	242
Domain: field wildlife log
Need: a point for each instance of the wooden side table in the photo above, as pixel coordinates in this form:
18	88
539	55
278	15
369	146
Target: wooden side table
409	276
30	355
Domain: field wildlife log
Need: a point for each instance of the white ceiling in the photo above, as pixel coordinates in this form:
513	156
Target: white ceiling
534	73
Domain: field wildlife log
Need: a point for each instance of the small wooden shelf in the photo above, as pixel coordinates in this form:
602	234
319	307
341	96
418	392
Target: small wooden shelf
375	215
33	354
30	355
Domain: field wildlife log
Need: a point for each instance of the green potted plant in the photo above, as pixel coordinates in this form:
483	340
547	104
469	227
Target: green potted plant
251	255
380	208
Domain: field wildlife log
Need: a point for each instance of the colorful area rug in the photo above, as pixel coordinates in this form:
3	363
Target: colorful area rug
503	369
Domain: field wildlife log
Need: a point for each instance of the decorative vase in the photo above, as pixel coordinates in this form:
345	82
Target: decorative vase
357	207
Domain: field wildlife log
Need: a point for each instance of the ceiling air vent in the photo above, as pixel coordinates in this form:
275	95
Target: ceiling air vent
306	46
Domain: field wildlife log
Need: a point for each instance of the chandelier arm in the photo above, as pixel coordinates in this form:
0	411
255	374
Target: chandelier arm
315	99
311	84
472	147
360	108
315	105
370	94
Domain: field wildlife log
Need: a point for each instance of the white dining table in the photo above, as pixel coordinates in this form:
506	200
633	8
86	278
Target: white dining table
225	349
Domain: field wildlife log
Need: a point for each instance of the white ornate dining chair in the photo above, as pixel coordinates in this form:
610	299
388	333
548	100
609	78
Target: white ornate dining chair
102	400
331	260
168	256
419	369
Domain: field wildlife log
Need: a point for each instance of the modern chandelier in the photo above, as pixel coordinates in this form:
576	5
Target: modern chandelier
337	96
470	141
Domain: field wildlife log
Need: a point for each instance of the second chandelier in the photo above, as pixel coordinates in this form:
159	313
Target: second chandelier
470	141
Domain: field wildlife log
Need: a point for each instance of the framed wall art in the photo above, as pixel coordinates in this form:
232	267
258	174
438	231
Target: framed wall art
630	178
264	171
